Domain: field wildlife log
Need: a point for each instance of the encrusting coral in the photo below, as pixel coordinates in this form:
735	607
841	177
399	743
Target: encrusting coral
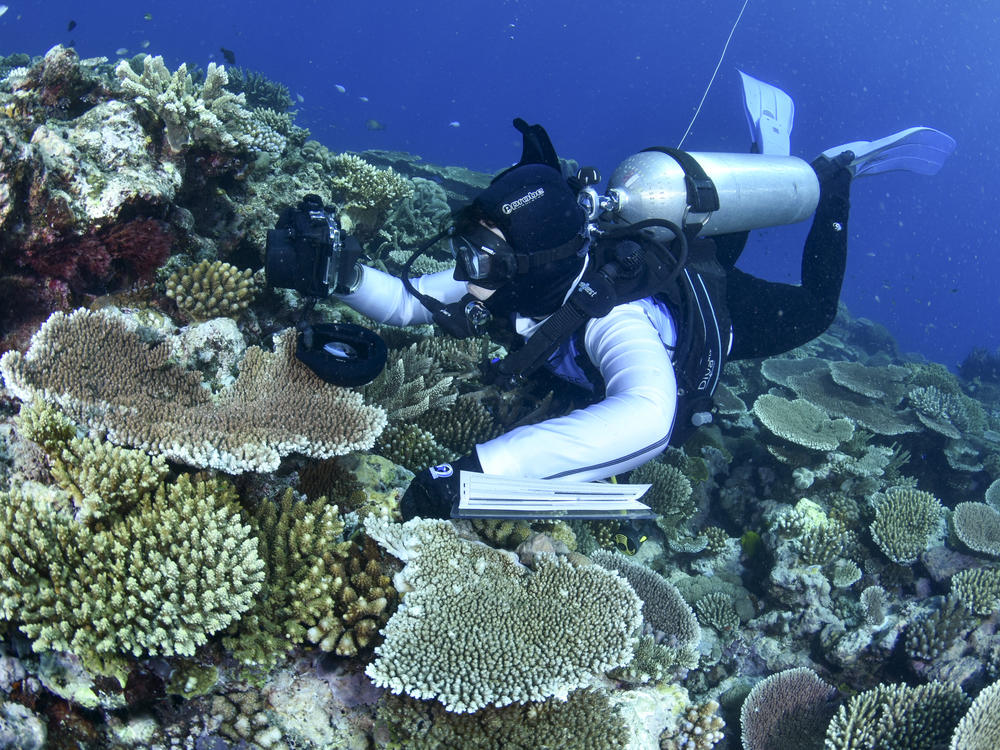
100	371
476	628
213	289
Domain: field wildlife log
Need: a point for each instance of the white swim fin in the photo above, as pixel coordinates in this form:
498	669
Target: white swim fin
493	496
920	150
770	113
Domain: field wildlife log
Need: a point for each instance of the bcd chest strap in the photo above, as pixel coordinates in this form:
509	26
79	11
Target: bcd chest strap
694	292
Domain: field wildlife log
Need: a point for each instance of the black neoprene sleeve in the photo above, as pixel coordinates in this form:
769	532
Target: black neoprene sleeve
771	318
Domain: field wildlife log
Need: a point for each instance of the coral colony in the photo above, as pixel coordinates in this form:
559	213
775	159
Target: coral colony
199	538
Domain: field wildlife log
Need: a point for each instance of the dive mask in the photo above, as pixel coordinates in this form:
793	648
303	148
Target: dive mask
482	256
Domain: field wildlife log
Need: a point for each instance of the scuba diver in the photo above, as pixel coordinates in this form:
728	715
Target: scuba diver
625	295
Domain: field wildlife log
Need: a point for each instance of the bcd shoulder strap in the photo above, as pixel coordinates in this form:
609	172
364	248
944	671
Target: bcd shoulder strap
698	304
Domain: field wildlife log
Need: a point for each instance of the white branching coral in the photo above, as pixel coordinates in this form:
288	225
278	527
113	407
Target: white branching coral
205	114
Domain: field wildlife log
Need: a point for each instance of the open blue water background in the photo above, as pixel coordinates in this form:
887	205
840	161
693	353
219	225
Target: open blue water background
607	79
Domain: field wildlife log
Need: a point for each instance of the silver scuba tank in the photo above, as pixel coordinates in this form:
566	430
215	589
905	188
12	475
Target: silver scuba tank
754	190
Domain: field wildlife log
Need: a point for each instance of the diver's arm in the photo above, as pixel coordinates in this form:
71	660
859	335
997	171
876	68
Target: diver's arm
383	297
630	426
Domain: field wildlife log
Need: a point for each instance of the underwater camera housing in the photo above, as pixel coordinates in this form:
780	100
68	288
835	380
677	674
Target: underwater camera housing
306	251
303	250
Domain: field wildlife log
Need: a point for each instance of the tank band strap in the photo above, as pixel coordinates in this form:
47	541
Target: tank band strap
702	196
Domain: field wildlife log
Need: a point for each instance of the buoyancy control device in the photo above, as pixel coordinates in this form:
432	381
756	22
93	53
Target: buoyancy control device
645	234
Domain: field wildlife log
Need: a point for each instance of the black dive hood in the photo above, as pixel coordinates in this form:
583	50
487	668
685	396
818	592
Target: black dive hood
561	236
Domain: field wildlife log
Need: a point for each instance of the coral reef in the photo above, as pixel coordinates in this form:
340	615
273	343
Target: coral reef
193	114
99	370
477	629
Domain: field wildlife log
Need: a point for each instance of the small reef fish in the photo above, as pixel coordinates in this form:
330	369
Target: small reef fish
121	51
340	89
300	98
148	17
145	44
3	9
374	125
454	124
229	55
71	25
363	98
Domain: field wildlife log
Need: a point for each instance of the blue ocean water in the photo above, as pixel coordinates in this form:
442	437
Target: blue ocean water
609	79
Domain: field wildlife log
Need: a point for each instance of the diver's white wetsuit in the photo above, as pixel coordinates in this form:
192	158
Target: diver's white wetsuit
629	348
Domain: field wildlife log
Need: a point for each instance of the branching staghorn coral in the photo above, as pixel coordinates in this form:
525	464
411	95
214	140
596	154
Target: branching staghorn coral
178	568
97	368
319	587
104	481
936	631
192	114
979	729
669	496
904	522
898	717
365	192
978	589
410	385
476	628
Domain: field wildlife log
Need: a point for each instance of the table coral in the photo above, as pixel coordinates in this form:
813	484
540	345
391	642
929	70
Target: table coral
99	370
801	422
788	710
977	525
664	610
478	629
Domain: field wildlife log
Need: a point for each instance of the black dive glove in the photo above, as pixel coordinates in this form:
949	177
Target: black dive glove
434	491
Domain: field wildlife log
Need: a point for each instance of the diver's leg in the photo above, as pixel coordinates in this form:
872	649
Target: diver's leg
771	318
